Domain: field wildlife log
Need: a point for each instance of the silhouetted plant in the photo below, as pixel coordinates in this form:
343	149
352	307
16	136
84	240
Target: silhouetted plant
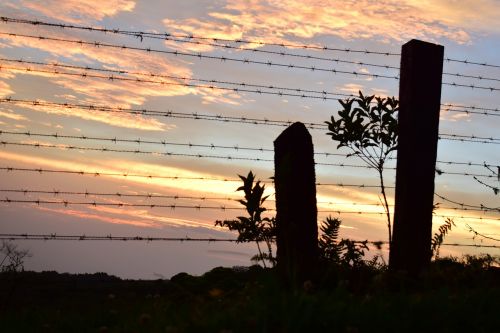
370	131
254	228
345	252
438	238
482	261
13	258
352	252
329	248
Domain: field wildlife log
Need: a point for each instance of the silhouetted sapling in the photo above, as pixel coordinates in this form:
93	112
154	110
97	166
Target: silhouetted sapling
254	228
370	131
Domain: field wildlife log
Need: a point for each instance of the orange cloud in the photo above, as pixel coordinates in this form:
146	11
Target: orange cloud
386	20
99	217
78	11
127	166
9	114
124	120
5	89
117	92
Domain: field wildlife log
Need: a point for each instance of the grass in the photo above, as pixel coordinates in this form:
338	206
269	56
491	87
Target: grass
451	297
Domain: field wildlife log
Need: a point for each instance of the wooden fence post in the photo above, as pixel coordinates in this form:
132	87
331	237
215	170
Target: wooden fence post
296	212
418	121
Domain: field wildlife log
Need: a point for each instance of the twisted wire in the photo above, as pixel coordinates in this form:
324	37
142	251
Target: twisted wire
220	118
195	145
143	34
204	56
132	175
299	91
83	237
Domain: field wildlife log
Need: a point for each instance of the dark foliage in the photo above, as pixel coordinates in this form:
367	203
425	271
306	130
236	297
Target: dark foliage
370	131
454	296
254	228
438	237
328	244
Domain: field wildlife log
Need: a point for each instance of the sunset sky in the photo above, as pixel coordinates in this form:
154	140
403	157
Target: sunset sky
184	116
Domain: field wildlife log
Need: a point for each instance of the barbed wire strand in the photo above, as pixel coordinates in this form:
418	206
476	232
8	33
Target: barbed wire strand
195	40
219	118
57	193
158	113
478	234
469	107
244	61
495	189
475	77
54	236
87	193
168	153
83	237
204	56
132	175
464	205
86	75
472	86
299	91
472	112
166	34
140	141
468	62
144	34
228	157
469	138
67	203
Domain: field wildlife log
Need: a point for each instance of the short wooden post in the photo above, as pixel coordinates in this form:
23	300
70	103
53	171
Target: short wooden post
296	216
419	96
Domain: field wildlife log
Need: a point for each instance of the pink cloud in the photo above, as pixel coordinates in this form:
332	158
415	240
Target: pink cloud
117	92
5	89
77	11
386	20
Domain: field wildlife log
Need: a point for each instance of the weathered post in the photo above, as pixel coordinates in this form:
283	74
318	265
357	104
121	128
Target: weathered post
419	97
296	212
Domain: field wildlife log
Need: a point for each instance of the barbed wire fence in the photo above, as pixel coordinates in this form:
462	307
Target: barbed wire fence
387	71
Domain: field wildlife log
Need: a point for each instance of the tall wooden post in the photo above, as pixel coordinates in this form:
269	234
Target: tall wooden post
419	97
296	212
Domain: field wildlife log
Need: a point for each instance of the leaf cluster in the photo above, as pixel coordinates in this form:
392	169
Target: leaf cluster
369	129
253	228
345	252
328	244
439	236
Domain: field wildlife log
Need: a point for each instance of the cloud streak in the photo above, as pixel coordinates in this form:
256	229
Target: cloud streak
386	20
78	11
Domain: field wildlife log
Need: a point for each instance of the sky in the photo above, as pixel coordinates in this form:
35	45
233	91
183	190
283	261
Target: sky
186	85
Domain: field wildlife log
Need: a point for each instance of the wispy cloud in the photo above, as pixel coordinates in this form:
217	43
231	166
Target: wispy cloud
78	213
130	167
123	120
117	92
9	114
5	89
77	11
386	20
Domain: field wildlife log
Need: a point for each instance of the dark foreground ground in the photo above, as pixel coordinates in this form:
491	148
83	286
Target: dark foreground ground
450	298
